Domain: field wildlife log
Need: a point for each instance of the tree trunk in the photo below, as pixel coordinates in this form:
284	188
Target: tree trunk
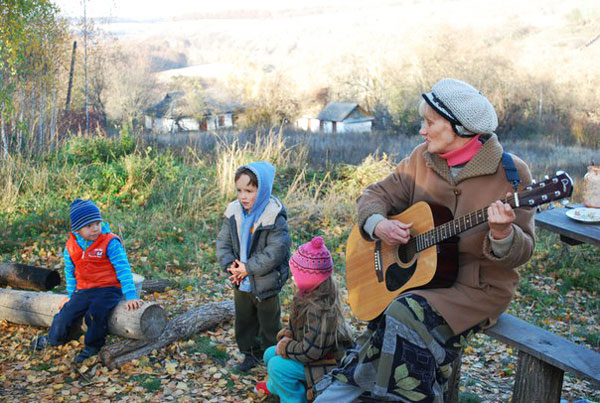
29	277
536	381
42	124
53	113
3	134
182	327
38	309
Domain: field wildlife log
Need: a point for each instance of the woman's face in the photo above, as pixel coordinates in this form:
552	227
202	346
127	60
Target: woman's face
438	133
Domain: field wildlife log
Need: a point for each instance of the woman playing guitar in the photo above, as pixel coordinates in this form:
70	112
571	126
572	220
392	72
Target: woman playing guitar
407	353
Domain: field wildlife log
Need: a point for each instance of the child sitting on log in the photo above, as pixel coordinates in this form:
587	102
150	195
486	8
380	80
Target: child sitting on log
316	337
97	275
254	247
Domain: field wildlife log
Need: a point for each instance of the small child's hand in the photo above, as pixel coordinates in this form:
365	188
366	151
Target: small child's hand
233	270
241	269
280	348
62	303
133	304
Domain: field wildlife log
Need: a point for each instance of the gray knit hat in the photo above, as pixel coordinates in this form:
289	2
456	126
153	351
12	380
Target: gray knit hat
468	111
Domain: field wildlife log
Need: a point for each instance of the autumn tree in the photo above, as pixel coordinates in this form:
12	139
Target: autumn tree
32	44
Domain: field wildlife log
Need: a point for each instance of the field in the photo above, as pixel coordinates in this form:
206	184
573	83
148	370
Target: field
166	204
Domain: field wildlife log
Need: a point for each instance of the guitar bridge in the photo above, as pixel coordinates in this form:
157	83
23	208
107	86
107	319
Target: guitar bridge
378	263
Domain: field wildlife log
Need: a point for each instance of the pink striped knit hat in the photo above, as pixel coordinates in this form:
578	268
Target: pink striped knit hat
311	265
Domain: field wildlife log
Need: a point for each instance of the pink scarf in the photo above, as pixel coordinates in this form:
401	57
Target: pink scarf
463	154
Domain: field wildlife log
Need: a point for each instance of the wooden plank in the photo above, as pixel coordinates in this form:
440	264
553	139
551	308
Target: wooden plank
548	347
557	221
536	381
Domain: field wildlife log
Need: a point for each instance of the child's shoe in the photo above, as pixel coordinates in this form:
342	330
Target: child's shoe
86	353
40	342
262	386
248	363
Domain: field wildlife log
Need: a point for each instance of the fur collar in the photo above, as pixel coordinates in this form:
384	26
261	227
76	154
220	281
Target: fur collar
485	162
267	218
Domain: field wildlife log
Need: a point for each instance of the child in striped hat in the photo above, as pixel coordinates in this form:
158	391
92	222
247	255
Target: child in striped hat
315	339
97	275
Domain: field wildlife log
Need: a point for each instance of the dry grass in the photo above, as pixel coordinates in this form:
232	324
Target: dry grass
19	176
270	147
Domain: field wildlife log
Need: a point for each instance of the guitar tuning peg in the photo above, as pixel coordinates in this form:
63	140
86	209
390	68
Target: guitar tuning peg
546	177
533	181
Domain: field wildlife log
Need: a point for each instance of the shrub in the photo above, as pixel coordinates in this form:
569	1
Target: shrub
86	150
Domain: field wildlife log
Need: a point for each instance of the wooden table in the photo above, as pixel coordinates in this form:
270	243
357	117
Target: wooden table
571	232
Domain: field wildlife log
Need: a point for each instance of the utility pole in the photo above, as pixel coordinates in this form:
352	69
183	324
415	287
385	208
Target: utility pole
71	71
87	112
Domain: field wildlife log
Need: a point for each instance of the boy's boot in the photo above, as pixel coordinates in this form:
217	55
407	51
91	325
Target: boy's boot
86	353
40	342
248	363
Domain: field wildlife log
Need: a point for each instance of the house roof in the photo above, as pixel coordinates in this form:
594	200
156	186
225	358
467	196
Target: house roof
338	111
164	107
171	104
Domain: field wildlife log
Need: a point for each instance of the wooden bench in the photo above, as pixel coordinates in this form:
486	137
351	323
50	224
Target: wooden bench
543	359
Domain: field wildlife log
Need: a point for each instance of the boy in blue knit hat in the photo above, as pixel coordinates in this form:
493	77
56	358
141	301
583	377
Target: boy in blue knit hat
97	275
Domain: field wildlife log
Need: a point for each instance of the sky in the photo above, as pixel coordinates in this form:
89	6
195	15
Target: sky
145	9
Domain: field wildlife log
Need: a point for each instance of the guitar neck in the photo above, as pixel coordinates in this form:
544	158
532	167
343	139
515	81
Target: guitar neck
551	189
450	229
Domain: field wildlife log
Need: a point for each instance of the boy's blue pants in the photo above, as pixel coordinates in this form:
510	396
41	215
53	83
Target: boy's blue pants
286	377
95	304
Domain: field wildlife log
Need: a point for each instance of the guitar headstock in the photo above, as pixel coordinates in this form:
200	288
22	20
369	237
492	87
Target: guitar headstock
550	189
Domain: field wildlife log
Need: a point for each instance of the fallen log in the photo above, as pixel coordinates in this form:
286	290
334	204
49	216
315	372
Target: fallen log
182	327
155	285
38	309
28	277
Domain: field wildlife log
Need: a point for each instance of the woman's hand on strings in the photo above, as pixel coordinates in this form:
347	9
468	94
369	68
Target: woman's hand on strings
393	232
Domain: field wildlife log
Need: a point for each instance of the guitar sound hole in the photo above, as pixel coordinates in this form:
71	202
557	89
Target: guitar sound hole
407	252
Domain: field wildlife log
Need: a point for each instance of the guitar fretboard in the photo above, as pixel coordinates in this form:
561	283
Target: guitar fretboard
450	229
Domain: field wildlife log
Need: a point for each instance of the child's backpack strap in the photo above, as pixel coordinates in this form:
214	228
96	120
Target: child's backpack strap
511	170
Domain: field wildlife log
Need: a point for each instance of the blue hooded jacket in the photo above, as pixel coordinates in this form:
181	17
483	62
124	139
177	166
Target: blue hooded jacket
265	174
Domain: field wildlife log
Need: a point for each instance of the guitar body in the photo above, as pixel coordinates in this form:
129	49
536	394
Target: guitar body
403	268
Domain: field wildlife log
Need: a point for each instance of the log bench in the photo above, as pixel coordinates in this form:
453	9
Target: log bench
543	359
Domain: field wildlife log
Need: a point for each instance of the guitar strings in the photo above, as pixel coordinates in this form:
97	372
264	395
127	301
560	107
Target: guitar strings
440	233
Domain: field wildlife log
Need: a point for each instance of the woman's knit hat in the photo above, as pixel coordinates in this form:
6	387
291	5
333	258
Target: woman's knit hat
83	212
311	265
468	111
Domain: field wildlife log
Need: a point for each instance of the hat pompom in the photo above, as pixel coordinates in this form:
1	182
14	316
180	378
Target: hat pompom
317	242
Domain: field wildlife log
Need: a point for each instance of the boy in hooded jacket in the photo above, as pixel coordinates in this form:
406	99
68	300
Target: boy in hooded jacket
253	246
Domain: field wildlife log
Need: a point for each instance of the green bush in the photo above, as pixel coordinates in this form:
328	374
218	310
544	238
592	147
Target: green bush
84	150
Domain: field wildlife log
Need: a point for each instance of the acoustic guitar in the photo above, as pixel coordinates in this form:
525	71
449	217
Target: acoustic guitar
376	273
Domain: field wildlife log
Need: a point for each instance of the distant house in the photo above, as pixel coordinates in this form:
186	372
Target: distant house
167	116
338	117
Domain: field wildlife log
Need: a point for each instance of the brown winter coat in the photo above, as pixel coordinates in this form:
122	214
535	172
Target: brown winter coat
311	340
485	283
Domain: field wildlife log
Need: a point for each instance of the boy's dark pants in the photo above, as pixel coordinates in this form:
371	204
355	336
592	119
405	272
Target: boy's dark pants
96	304
256	322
